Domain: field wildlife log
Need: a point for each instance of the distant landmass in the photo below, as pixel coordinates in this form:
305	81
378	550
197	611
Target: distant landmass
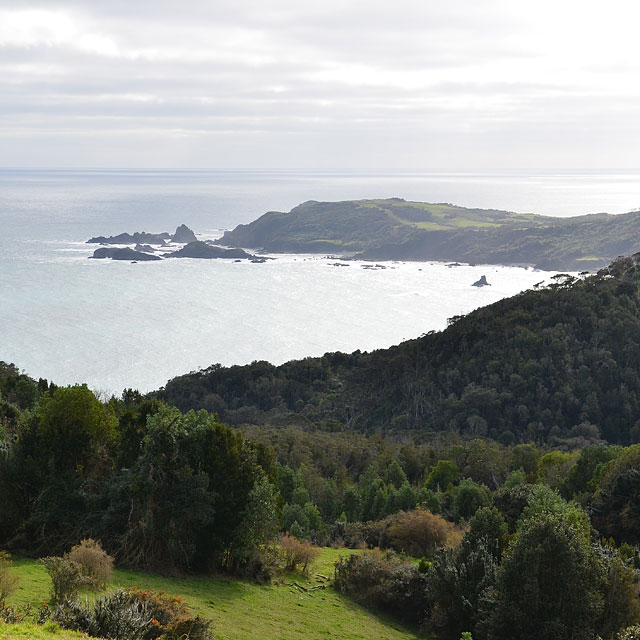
396	229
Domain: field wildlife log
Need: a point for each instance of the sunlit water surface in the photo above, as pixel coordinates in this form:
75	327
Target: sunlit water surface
117	324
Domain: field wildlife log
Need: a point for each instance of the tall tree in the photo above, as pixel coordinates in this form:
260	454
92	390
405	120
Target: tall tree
547	587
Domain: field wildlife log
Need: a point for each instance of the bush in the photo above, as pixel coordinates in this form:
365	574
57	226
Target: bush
71	614
95	563
420	532
8	581
417	532
354	534
261	564
380	580
134	615
11	615
66	577
630	633
297	552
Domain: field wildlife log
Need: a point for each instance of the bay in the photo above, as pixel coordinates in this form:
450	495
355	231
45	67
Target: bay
116	325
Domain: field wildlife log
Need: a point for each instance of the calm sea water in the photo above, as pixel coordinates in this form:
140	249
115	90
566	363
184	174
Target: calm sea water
116	325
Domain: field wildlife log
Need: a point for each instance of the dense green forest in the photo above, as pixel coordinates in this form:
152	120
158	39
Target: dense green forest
559	365
132	472
396	229
490	471
506	535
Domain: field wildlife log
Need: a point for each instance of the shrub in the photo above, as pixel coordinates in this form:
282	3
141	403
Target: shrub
134	615
261	564
353	534
417	532
11	615
630	633
95	563
173	620
66	577
421	532
380	580
71	614
297	552
424	565
8	581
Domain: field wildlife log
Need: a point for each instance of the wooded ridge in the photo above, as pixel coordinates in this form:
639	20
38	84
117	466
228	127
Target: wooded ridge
550	363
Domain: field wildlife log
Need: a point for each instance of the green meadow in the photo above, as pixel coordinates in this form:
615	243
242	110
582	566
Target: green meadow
48	631
240	610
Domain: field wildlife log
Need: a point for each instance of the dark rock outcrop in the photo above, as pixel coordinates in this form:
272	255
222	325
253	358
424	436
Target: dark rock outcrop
123	254
199	249
184	235
481	283
139	237
145	248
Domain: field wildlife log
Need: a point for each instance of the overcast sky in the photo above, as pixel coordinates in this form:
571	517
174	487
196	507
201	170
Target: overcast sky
330	83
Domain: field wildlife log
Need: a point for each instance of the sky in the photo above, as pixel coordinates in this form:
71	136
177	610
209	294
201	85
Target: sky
424	84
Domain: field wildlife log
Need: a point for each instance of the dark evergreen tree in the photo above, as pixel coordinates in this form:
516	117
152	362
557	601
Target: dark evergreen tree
548	585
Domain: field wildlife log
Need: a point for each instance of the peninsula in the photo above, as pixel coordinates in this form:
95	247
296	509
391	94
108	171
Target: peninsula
396	229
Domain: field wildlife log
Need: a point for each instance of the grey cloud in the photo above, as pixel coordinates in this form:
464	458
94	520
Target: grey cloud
342	75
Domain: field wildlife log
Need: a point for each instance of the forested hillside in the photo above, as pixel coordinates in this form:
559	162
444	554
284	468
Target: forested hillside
547	365
464	524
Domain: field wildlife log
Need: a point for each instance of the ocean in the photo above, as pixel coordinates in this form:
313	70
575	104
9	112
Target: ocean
117	325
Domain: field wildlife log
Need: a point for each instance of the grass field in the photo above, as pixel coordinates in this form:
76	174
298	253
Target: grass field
49	631
446	217
243	610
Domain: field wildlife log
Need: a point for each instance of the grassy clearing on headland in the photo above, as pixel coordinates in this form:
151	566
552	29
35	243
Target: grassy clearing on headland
242	610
